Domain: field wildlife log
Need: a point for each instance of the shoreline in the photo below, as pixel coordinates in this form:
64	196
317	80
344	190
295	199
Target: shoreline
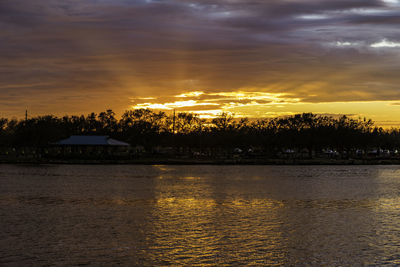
166	161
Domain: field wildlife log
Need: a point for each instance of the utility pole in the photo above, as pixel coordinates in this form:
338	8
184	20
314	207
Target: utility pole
173	133
173	124
26	115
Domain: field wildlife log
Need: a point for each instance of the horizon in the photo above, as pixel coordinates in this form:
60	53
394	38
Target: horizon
383	124
250	58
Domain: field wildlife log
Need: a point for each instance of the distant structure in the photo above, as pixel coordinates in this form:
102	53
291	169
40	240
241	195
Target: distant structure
91	146
91	140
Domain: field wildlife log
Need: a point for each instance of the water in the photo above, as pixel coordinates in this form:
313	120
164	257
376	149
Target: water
199	215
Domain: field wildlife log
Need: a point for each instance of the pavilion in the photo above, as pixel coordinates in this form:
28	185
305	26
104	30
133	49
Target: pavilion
91	146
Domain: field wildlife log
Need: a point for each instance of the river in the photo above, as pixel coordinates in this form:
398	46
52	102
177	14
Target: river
141	215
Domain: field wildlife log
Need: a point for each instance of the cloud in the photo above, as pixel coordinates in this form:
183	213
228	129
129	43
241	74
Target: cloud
208	103
385	43
58	56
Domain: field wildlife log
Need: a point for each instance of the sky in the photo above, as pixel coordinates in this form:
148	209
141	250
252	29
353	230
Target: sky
252	58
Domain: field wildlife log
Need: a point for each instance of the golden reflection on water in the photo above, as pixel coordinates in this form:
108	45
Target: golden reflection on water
185	203
201	229
162	167
388	176
389	204
191	177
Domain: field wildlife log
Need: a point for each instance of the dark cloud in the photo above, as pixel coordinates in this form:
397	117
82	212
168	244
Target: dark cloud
61	55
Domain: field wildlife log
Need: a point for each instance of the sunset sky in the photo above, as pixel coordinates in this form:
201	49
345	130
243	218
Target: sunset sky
255	58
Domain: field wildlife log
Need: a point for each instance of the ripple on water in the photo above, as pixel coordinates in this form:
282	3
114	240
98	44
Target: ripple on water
199	215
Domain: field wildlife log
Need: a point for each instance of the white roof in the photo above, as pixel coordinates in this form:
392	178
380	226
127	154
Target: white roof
91	140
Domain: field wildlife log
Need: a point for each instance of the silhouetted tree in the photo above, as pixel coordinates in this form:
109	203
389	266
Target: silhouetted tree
150	128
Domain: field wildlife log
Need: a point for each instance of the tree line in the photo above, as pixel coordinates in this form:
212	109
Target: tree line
149	128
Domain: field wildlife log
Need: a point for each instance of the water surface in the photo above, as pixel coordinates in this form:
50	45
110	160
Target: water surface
199	215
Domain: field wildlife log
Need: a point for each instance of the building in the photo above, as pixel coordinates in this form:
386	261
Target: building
91	146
